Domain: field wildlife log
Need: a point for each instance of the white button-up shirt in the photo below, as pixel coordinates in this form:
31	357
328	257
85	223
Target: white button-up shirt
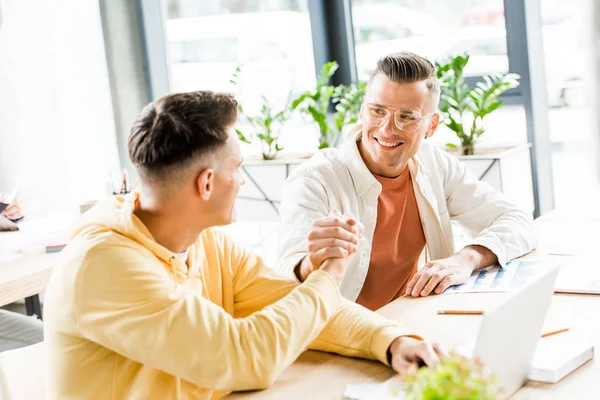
445	191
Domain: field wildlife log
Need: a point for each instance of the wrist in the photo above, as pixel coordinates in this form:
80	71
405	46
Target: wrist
302	268
395	343
476	257
335	268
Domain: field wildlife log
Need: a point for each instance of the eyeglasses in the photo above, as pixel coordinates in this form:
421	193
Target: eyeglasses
405	120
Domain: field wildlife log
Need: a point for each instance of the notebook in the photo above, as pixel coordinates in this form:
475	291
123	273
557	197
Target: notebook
558	355
591	286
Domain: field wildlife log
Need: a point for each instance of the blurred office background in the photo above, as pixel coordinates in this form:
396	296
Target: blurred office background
74	74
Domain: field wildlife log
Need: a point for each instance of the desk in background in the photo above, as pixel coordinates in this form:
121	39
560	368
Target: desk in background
25	267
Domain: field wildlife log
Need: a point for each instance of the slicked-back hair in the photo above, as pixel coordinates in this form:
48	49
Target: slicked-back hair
177	128
406	67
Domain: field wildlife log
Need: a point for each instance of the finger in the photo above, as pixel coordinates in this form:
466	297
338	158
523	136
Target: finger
440	351
333	221
401	365
350	219
335	213
11	215
422	281
414	279
435	280
334	232
426	353
444	284
13	212
320	256
362	228
319	244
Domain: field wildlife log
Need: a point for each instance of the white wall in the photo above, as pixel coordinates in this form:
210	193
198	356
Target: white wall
595	78
57	135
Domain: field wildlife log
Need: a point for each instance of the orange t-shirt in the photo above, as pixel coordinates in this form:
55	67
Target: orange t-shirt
398	242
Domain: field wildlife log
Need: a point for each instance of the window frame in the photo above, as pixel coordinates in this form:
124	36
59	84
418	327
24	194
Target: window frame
333	39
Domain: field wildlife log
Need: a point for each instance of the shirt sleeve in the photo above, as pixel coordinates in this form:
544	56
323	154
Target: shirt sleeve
304	200
496	223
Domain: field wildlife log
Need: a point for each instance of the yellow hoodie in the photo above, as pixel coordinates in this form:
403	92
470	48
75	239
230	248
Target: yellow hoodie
125	319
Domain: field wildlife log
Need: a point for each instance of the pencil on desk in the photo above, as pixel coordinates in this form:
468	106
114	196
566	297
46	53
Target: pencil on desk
460	312
546	334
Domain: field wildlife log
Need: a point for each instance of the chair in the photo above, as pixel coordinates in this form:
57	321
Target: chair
22	373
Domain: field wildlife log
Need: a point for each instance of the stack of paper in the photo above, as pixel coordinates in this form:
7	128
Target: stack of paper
559	355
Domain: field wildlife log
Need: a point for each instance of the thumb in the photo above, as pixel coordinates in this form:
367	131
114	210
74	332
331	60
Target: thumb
401	365
335	213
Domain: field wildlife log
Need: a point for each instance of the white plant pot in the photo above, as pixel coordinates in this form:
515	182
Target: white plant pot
506	169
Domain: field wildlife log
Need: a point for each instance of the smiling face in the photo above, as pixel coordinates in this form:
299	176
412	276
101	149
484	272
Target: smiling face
386	149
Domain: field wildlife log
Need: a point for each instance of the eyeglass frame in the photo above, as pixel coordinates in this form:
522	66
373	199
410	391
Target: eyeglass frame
394	114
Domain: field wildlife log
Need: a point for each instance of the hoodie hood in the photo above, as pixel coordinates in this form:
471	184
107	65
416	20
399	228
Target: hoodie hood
116	214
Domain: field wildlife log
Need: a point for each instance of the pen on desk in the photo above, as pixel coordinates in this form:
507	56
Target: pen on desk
460	312
546	334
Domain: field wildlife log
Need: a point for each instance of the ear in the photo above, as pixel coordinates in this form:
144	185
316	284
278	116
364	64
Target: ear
205	183
433	125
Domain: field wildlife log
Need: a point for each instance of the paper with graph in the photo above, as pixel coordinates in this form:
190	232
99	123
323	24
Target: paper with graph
496	279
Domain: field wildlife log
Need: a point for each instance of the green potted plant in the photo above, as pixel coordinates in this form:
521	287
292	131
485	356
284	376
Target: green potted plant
348	100
265	126
454	378
464	108
315	104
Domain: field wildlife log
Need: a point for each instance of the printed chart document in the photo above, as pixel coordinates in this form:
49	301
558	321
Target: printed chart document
495	279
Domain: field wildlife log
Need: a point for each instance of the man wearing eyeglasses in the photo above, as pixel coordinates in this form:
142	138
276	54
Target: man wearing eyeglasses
404	191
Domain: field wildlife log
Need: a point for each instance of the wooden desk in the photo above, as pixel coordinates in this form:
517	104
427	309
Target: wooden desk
324	376
25	275
25	268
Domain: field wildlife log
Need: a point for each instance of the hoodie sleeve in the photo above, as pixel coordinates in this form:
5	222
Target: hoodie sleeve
127	302
353	331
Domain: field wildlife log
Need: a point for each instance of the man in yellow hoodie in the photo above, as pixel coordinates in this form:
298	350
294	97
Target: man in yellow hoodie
150	301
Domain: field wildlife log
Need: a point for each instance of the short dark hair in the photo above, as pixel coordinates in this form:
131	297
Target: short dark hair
407	67
179	127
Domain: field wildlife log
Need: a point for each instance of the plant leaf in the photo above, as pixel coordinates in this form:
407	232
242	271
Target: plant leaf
242	137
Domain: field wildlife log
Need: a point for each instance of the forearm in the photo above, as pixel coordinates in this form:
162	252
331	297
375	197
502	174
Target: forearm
357	332
477	257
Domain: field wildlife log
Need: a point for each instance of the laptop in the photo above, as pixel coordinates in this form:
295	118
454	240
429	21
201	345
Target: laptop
509	333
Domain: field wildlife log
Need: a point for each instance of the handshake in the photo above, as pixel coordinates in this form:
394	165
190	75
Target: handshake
331	243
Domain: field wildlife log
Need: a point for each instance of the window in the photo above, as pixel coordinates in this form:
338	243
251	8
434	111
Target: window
433	28
271	41
566	60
